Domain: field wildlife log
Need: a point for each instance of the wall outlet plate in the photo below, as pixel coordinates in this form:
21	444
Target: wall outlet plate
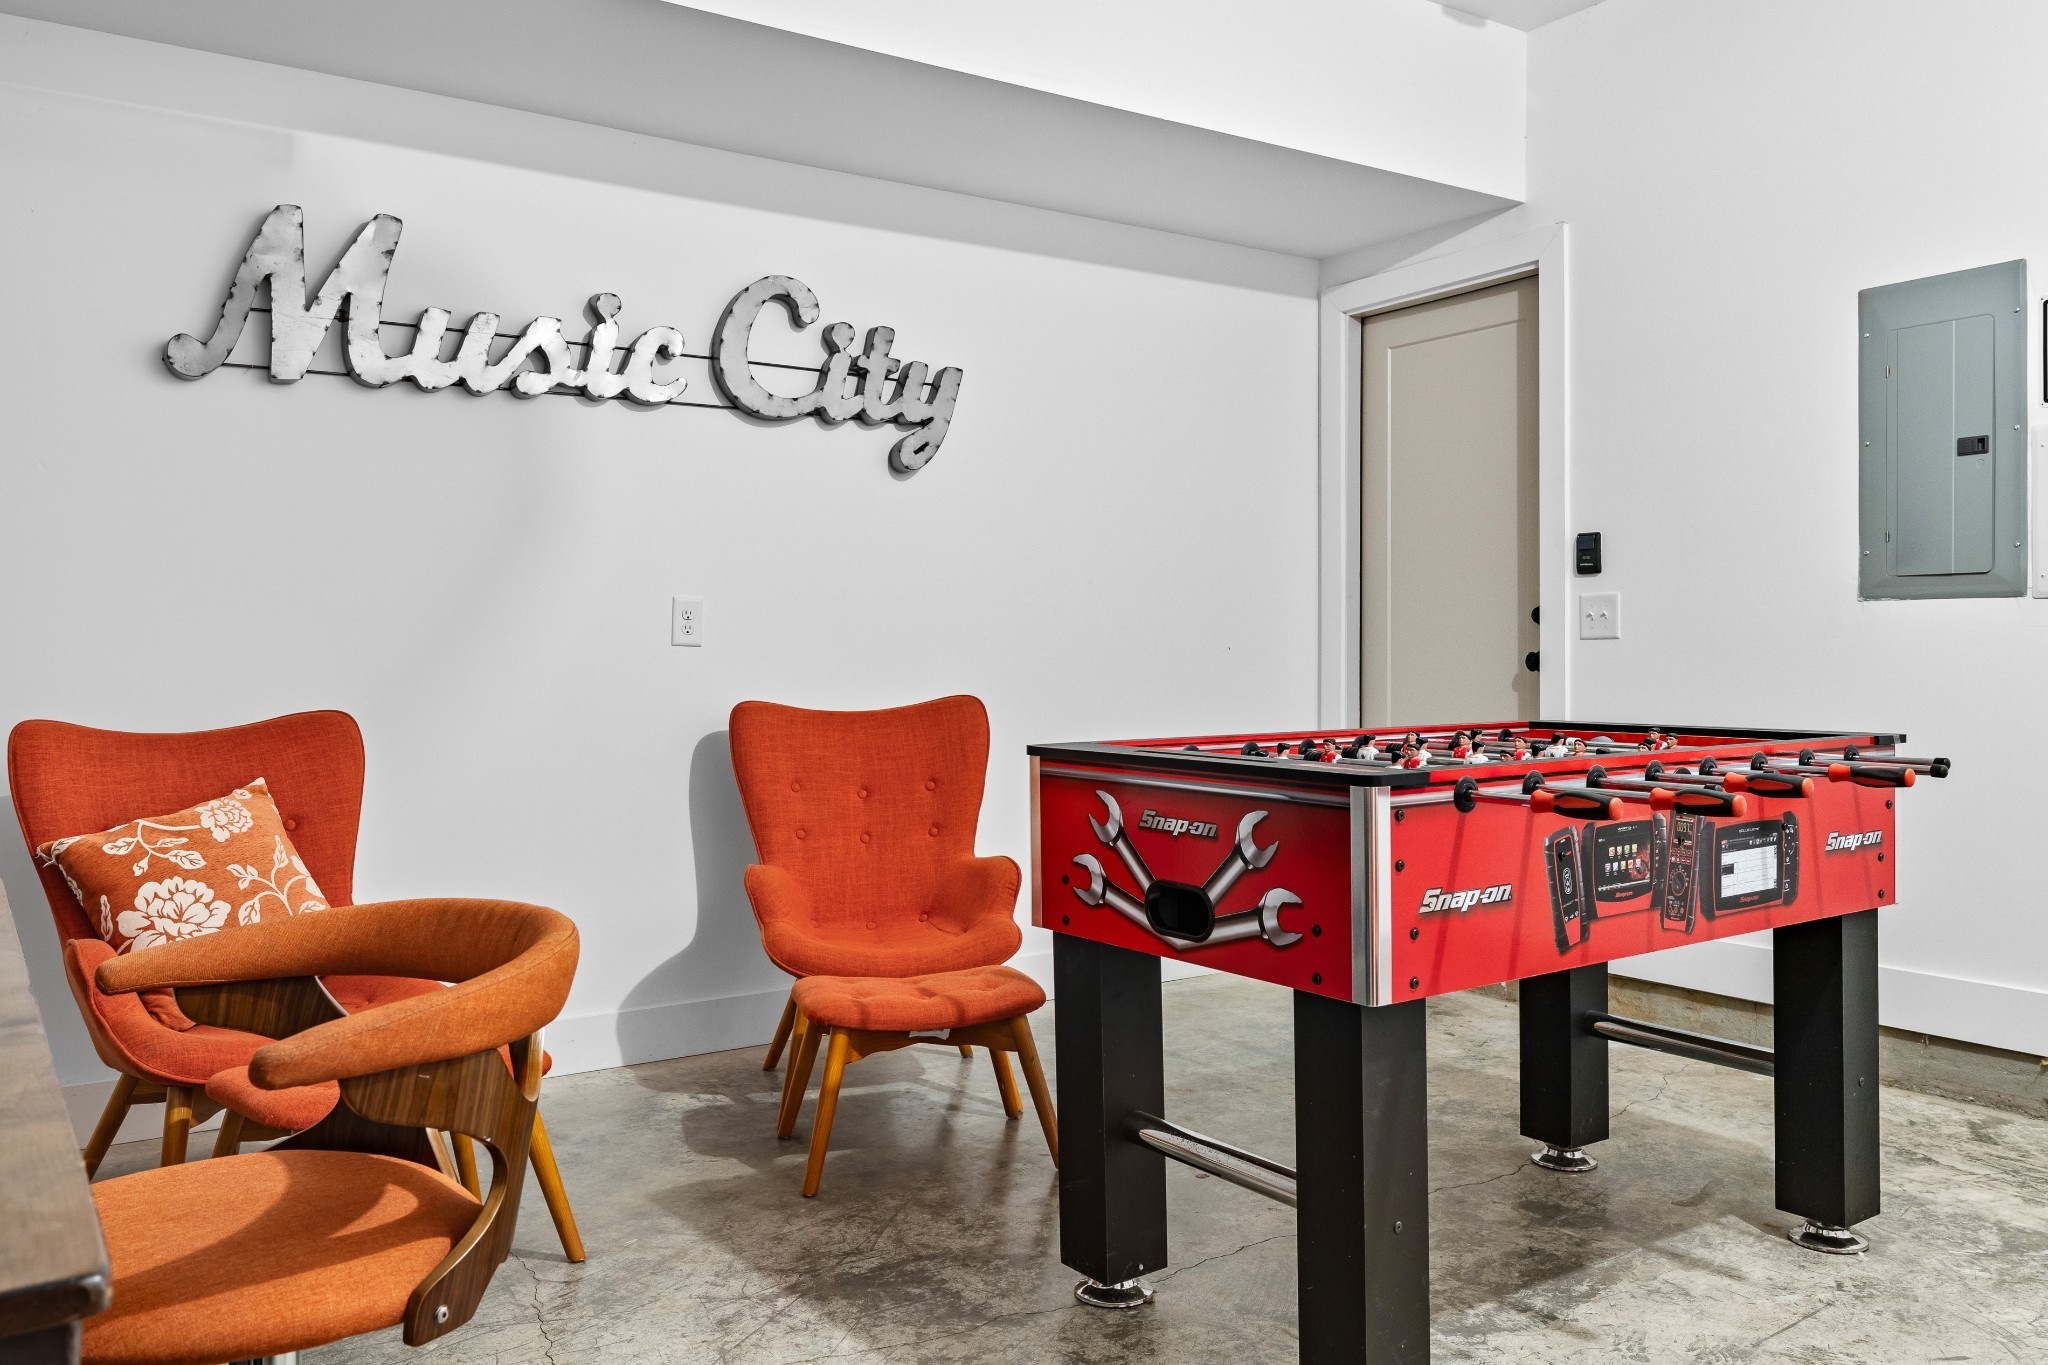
1599	616
686	621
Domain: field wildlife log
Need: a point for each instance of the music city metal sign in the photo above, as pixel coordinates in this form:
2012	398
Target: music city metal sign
864	384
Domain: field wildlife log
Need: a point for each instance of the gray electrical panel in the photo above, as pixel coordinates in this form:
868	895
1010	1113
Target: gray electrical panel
1942	377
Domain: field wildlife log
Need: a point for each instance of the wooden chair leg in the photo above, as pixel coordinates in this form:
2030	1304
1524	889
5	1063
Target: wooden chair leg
109	1124
443	1161
801	1060
781	1033
966	1051
177	1123
828	1105
1006	1082
549	1177
230	1140
1034	1077
465	1164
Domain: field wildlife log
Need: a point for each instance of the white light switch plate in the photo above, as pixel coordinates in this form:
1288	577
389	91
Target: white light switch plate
686	621
1599	616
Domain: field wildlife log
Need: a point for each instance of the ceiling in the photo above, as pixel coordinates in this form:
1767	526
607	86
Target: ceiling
688	76
1521	14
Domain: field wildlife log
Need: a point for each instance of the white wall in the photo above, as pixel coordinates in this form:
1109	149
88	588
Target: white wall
1406	85
1115	538
1732	174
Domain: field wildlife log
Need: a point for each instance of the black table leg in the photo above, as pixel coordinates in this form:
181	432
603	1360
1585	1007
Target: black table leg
1362	1139
1564	1066
1106	1026
1825	1020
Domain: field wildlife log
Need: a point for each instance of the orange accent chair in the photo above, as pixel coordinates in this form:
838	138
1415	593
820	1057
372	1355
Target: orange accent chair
350	1227
69	779
864	822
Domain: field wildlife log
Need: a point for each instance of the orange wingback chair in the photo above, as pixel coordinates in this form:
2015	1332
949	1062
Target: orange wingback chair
865	824
69	779
256	1256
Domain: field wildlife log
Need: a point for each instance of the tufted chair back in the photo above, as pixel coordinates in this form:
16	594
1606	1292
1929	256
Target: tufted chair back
68	779
864	809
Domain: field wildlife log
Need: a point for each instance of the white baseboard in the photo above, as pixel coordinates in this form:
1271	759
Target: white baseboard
2011	1017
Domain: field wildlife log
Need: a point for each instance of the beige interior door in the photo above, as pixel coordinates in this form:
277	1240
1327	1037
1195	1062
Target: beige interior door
1448	535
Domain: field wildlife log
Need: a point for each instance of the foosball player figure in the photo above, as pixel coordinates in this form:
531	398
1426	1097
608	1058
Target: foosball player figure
1412	756
1557	748
1659	741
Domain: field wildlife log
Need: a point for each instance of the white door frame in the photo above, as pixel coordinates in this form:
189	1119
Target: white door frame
1342	359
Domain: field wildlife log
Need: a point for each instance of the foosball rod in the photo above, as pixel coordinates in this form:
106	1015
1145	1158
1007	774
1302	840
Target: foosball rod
1574	801
1773	783
1932	767
1705	800
1862	774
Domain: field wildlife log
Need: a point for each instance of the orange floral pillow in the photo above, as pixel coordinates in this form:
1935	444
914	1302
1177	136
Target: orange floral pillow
168	877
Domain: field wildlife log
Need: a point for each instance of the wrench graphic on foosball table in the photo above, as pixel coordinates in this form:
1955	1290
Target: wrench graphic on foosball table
1261	921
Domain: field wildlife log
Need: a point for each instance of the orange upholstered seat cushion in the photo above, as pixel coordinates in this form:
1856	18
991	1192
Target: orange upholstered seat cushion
979	995
176	1057
266	1253
358	993
290	1109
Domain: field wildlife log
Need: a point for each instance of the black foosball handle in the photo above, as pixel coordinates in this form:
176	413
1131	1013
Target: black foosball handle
1578	802
1870	775
1770	782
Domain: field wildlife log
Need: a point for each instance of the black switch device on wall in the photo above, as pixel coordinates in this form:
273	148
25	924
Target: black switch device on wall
1589	552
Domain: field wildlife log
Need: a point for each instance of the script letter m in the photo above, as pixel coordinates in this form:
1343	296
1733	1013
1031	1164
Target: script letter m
278	254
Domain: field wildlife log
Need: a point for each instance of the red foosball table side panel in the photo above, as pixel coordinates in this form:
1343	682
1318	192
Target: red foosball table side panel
1499	894
1183	832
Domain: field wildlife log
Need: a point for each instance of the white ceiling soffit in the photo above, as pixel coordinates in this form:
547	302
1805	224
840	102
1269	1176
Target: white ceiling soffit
1525	15
667	71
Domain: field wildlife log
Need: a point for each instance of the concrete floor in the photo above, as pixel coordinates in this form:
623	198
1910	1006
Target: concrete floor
936	1236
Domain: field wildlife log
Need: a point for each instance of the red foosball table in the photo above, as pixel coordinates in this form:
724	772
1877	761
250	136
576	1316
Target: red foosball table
1368	872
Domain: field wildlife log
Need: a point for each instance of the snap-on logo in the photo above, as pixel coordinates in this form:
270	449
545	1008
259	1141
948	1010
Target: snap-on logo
1849	843
1436	898
1168	824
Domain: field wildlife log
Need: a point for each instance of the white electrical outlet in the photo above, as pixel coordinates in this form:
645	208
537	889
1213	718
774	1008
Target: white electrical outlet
686	621
1599	616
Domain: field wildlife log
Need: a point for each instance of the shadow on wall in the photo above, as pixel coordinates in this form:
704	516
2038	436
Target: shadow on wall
70	1047
720	991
